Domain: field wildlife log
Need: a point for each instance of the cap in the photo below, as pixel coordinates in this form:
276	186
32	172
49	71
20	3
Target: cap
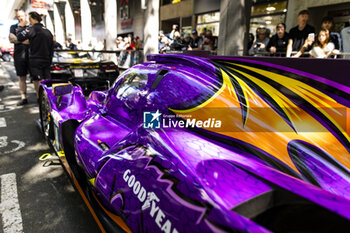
194	32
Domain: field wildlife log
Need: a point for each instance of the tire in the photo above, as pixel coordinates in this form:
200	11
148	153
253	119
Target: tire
45	119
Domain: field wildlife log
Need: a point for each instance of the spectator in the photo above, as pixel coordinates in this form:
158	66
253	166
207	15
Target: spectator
278	43
21	53
120	42
196	41
177	42
56	45
131	45
299	33
165	45
259	46
138	43
250	40
175	28
345	35
161	41
208	43
135	44
41	49
328	24
203	33
322	48
126	42
186	42
209	34
71	45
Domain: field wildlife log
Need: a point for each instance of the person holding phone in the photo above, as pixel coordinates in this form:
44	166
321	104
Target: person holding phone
299	34
323	48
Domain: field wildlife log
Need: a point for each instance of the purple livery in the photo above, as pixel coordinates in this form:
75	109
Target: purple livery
189	144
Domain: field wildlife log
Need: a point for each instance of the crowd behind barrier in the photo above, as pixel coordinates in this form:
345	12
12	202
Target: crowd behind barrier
306	54
302	40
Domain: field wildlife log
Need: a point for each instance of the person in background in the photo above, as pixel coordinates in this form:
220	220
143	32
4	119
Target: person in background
21	52
177	43
40	49
345	35
196	41
299	34
175	28
165	45
328	24
322	47
71	45
259	45
277	45
209	34
131	44
160	40
251	39
56	45
138	43
187	42
203	33
120	42
208	43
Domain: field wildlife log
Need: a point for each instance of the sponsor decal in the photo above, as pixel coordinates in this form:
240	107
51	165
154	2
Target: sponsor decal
150	201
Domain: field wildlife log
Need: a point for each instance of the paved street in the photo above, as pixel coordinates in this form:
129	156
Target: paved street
35	196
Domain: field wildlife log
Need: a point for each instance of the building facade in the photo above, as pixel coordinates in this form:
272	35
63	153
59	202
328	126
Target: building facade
100	22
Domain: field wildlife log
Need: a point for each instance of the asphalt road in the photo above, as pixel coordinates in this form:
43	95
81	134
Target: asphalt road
35	196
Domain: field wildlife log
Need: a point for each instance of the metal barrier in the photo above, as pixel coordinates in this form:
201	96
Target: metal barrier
268	54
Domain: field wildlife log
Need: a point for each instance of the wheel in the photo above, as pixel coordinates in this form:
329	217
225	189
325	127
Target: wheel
46	122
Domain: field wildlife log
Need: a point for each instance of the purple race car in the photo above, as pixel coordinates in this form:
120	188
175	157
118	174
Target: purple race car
188	144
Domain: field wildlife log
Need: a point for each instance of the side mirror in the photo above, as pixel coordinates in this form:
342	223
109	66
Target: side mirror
61	89
98	96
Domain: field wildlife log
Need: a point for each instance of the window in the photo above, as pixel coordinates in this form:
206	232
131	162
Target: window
267	15
131	87
210	21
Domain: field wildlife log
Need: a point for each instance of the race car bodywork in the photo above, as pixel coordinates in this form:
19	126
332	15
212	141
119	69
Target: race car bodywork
85	69
188	144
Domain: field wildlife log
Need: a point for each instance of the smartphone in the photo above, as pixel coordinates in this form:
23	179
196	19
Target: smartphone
311	36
